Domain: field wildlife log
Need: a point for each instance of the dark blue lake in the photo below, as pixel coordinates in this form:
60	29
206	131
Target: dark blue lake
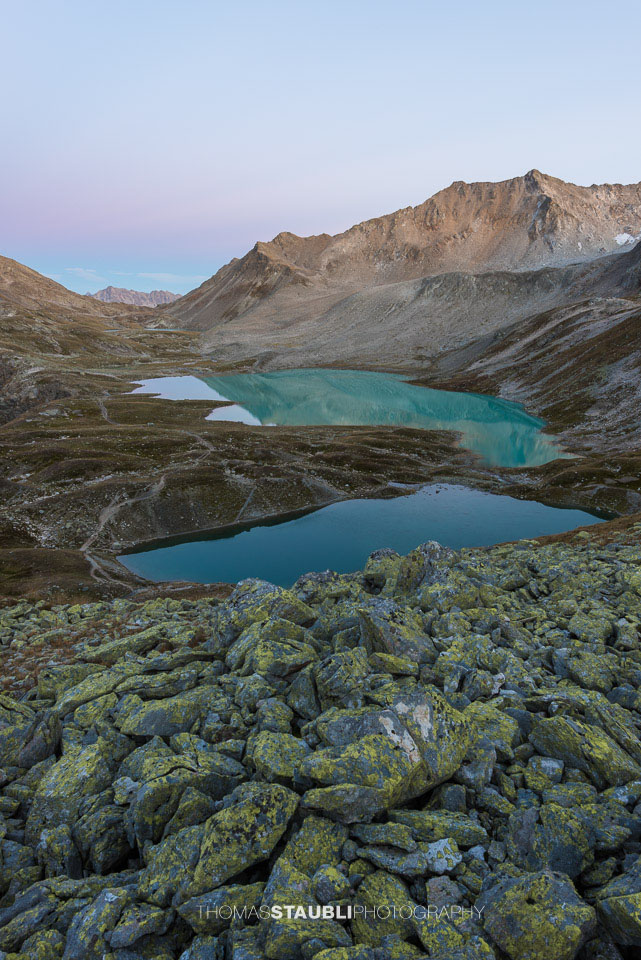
341	536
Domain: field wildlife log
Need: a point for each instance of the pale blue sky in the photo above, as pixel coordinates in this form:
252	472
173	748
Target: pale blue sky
144	143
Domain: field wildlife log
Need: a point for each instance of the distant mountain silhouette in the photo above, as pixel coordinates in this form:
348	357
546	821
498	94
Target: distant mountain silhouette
134	297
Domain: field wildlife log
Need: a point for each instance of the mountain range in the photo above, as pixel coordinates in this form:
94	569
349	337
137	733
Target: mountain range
399	291
136	298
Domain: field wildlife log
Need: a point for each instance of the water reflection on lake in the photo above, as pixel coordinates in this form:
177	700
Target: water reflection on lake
502	433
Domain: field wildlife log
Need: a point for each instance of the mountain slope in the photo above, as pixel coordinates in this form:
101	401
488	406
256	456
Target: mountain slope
527	223
23	288
578	365
411	324
136	298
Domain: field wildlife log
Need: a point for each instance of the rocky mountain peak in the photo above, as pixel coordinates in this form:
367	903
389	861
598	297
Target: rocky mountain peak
527	223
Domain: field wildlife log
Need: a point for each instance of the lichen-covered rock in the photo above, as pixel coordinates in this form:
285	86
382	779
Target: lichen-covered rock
42	945
164	781
286	937
200	858
621	916
488	722
317	843
619	906
274	716
408	865
440	936
254	601
329	883
550	837
193	807
430	825
586	747
389	834
242	834
399	752
57	852
88	932
272	649
442	856
138	921
340	678
346	953
388	627
162	718
278	757
26	739
170	867
385	897
83	773
536	916
348	803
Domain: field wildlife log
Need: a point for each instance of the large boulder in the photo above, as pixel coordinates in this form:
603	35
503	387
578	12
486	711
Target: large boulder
278	757
389	627
274	648
586	747
414	742
81	774
25	738
254	601
203	857
619	907
538	916
164	781
163	717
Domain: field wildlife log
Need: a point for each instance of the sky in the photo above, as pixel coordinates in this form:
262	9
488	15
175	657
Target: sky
145	143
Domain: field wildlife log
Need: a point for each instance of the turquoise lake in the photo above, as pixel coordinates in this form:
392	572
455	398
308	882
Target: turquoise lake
341	536
500	432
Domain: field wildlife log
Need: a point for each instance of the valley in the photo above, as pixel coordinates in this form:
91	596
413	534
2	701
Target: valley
91	467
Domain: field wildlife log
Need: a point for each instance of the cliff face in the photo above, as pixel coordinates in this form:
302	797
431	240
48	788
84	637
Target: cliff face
134	297
524	224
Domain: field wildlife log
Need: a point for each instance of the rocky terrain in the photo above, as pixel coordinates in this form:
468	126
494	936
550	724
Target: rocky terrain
409	325
136	298
436	757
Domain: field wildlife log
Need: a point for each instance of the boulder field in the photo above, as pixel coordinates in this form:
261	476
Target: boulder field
438	757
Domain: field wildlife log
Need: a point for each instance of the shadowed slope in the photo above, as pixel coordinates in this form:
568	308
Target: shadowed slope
408	324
